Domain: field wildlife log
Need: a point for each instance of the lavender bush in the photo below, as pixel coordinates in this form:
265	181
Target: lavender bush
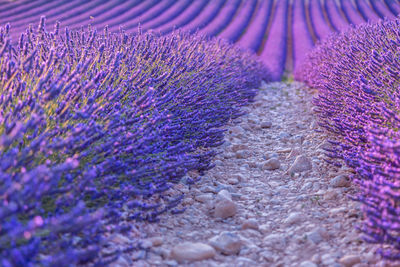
357	75
93	124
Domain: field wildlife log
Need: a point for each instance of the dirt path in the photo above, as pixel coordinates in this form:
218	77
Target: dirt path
271	200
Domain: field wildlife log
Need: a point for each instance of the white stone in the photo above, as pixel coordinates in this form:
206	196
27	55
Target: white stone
350	260
233	181
225	208
224	194
294	217
227	243
302	163
189	251
340	181
277	241
308	264
266	124
271	164
250	224
203	198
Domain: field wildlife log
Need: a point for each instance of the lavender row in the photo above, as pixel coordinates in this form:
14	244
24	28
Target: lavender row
274	50
187	16
253	37
96	125
320	25
356	74
366	11
222	20
351	12
302	41
204	18
333	13
240	22
381	9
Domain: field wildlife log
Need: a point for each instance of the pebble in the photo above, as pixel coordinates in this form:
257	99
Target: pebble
350	260
314	237
330	194
242	154
224	206
302	163
271	164
203	198
266	124
189	251
122	261
233	181
227	243
156	241
250	224
340	181
120	239
223	194
294	217
277	241
308	264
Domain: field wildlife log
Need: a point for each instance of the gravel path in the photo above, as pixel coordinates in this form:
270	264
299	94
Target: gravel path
271	200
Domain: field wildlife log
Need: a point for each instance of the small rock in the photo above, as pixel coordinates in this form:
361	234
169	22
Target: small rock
110	250
227	243
137	255
224	206
350	260
237	130
171	263
123	262
298	139
208	189
223	194
237	147
266	124
314	237
268	255
324	145
233	181
314	125
271	164
302	163
308	264
340	181
277	241
293	218
284	136
239	177
146	244
327	259
330	194
265	228
250	224
242	154
189	251
156	241
224	209
203	198
271	155
120	239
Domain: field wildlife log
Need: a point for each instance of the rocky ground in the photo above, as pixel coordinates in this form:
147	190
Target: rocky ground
271	200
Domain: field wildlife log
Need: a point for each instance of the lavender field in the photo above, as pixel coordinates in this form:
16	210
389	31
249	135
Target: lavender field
109	108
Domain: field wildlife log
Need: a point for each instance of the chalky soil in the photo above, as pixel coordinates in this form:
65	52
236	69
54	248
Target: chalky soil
271	200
